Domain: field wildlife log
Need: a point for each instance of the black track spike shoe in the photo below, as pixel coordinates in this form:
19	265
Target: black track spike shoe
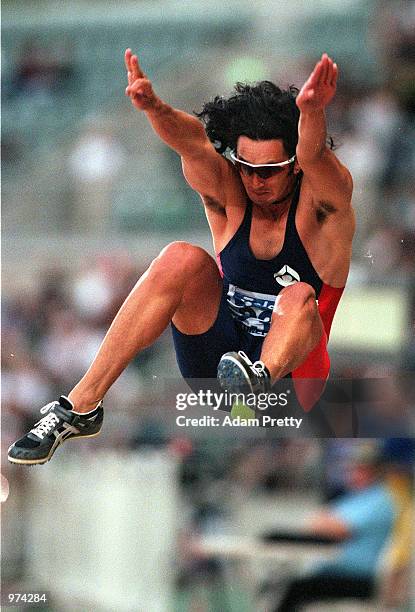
59	424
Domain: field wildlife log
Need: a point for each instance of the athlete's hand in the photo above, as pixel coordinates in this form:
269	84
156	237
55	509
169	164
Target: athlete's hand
140	89
320	87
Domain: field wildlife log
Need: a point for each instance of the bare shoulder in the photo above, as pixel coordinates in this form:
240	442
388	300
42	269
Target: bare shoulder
225	194
209	174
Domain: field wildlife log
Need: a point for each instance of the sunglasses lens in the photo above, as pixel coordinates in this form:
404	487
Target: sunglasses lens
266	173
246	170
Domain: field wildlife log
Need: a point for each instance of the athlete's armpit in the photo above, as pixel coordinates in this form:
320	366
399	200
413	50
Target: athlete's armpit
327	207
323	210
213	204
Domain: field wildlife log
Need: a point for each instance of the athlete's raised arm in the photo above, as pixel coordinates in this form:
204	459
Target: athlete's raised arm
331	183
203	167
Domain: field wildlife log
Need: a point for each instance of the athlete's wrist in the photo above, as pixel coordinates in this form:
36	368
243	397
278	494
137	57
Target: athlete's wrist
157	108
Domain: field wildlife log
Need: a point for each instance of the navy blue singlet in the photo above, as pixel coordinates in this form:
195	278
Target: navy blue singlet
252	284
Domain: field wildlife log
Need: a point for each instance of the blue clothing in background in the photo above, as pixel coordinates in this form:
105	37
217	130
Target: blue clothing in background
369	515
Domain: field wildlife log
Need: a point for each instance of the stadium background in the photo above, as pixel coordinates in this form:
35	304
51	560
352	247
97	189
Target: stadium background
90	196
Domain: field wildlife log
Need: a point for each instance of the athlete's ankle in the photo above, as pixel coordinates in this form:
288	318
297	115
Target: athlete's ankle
83	402
276	371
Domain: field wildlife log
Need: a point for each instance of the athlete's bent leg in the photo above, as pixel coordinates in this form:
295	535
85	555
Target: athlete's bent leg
180	279
296	328
177	282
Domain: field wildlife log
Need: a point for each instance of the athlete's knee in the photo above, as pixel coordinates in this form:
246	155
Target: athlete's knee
178	259
297	296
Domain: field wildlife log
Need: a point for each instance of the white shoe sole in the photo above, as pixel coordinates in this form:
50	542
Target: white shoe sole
51	452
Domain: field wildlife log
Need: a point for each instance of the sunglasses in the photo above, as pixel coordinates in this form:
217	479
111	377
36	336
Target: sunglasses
264	171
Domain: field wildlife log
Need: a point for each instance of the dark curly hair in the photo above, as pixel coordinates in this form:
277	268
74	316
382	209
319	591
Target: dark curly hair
261	111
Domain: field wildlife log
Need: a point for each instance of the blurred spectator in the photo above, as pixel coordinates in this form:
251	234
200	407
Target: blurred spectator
68	347
397	18
268	467
102	286
383	249
337	454
384	407
362	520
364	159
94	163
41	71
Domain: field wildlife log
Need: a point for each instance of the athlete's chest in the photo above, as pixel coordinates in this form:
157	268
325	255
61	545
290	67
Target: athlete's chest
266	238
270	238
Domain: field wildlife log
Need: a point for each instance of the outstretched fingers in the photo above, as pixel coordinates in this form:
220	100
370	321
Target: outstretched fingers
330	76
127	59
324	73
317	77
319	88
334	75
134	71
135	68
326	68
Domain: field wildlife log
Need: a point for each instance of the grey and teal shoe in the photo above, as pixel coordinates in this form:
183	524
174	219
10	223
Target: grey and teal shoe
59	424
237	374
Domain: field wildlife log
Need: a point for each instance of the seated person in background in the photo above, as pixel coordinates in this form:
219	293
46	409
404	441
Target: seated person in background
362	519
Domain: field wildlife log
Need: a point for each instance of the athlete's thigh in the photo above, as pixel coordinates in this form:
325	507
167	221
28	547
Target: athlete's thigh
198	355
199	305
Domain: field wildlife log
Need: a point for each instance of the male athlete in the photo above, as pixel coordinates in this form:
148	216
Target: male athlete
282	226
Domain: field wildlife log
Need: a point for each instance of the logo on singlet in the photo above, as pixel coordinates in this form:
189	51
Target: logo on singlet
250	309
286	276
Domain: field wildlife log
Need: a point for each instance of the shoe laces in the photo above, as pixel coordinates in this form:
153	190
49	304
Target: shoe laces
47	423
258	366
